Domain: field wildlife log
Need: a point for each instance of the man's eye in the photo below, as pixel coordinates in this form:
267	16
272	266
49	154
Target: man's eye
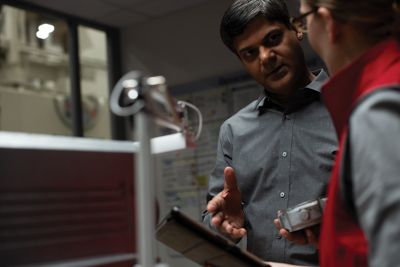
274	39
249	54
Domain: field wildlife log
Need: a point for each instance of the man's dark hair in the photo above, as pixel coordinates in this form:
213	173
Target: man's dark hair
242	12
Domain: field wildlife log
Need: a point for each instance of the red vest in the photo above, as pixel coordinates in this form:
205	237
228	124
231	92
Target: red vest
342	241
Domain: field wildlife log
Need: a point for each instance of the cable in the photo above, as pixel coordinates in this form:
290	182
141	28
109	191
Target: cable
200	117
135	78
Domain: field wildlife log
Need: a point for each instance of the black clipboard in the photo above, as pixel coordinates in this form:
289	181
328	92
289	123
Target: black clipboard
202	245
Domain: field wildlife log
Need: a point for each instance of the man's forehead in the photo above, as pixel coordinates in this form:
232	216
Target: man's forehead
257	28
261	25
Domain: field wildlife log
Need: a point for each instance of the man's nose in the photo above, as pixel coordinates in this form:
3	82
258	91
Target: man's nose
267	56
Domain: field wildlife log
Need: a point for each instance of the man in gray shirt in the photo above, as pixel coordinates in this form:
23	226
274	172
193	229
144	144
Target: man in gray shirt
277	151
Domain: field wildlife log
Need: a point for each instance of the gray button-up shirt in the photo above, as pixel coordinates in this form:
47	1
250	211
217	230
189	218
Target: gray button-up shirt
281	158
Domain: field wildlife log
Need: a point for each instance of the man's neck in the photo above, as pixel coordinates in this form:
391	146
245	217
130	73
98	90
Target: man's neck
283	100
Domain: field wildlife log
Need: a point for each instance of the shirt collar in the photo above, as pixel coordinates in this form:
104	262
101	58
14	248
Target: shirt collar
315	85
319	80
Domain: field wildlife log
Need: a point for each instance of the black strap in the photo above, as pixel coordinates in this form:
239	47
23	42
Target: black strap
346	183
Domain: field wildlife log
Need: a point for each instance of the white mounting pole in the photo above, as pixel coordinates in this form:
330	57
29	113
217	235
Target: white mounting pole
145	200
145	191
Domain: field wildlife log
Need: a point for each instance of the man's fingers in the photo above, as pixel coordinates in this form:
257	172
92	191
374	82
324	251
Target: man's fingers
233	231
227	227
296	237
212	205
238	233
312	237
282	231
227	205
230	184
300	237
277	224
216	204
285	233
217	219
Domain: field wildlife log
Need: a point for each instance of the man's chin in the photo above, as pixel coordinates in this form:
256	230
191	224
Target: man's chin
278	74
281	86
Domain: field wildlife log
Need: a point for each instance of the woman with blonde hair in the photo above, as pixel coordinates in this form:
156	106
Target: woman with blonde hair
359	42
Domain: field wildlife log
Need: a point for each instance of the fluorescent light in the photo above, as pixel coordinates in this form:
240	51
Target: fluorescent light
45	27
42	34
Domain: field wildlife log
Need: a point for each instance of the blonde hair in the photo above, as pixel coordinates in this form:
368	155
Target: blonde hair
377	19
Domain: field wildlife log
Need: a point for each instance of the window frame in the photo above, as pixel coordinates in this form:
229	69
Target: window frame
118	124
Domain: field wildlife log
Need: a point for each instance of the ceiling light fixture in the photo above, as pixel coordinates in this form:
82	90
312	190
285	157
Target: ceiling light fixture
44	30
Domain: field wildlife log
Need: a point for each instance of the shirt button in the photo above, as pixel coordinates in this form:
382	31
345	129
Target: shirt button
284	154
278	236
282	194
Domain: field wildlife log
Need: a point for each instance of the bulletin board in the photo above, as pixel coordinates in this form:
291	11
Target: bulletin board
182	176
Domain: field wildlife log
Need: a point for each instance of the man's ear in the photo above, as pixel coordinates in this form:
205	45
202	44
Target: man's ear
332	27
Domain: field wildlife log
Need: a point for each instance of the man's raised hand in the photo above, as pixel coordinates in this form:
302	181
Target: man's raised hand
226	208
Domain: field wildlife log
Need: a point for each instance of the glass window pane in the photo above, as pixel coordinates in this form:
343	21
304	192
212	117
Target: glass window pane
34	75
94	82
